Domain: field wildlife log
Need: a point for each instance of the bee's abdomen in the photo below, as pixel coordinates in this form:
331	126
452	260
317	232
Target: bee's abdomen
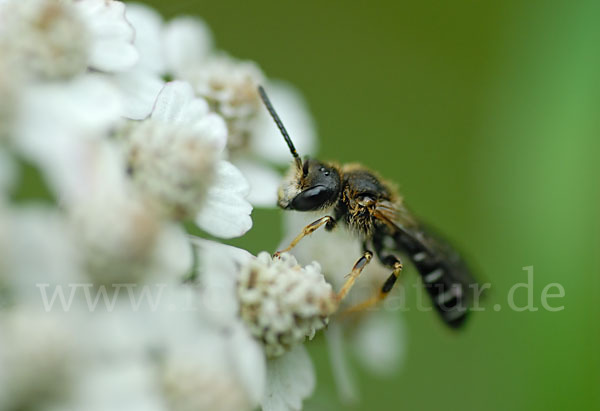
444	276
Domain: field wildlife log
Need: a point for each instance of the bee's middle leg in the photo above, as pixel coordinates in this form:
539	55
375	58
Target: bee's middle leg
396	264
356	270
328	221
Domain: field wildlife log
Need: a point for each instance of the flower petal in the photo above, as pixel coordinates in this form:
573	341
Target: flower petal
140	90
344	381
290	379
264	182
226	213
187	42
148	26
58	121
379	343
172	257
250	362
218	266
112	35
177	104
213	129
40	251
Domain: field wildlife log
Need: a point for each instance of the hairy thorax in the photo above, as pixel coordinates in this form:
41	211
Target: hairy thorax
362	194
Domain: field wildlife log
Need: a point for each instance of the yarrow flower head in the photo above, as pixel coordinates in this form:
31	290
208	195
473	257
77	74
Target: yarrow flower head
121	238
283	303
175	158
230	87
280	303
48	37
172	164
54	39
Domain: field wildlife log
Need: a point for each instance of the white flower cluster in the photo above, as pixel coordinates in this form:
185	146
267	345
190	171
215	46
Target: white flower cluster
282	302
129	127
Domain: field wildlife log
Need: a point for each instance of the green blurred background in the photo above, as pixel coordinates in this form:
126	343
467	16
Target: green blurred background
487	113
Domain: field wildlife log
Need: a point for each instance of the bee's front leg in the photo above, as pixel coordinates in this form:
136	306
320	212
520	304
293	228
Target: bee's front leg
329	223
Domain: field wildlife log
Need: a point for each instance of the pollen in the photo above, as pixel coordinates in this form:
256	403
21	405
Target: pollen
171	165
283	303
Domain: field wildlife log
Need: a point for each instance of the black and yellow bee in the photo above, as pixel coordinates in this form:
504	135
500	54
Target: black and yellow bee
372	209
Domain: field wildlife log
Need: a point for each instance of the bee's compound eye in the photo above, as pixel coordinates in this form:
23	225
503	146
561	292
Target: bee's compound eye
311	199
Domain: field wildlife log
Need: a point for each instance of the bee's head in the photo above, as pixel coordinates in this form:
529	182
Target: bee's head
309	185
312	187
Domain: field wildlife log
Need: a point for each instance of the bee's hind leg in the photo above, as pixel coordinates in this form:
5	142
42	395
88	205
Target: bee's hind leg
390	261
356	270
328	221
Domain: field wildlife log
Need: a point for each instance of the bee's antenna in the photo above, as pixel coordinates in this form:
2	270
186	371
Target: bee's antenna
284	133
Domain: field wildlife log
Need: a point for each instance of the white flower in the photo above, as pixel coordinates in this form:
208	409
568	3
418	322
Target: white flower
230	87
47	38
168	48
296	304
112	35
148	25
35	248
54	39
175	158
56	123
119	370
163	50
282	303
188	41
138	90
183	48
60	41
38	357
218	370
141	84
171	164
290	379
167	358
379	343
51	46
122	239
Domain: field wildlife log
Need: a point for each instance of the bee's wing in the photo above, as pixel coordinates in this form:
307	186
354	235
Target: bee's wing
445	275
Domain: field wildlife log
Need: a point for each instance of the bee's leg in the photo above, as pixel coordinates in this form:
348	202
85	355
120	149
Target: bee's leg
309	229
392	262
356	270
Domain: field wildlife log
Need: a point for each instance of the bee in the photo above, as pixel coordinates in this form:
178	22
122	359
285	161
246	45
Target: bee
373	211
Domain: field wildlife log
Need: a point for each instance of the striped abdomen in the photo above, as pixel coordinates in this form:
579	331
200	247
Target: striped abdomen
445	277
